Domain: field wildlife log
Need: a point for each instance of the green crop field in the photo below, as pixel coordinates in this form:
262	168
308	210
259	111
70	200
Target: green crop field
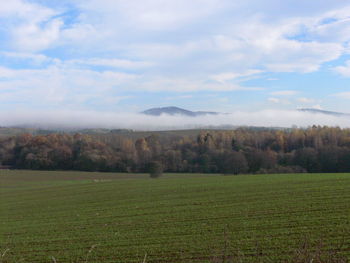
100	217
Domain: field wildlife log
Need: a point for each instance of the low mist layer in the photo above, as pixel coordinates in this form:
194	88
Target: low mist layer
136	121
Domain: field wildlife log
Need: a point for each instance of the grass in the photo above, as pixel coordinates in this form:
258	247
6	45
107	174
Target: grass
101	217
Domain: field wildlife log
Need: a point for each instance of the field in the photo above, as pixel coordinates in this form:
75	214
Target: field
100	217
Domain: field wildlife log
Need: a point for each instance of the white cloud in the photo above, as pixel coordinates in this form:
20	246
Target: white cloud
279	101
61	86
177	84
117	63
223	77
274	100
294	56
179	97
25	10
237	43
343	70
343	95
36	58
31	26
6	72
178	46
171	33
153	14
35	37
305	100
334	25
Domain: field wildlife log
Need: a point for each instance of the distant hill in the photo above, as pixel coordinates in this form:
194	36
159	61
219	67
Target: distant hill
332	113
177	111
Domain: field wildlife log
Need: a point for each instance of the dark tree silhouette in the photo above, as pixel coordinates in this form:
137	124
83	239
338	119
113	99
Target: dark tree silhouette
155	169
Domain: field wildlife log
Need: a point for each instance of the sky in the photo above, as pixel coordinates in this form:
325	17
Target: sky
110	56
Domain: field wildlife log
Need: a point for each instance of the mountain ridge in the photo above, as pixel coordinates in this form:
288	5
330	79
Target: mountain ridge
172	110
325	112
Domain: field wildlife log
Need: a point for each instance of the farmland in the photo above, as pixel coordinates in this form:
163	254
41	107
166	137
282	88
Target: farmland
106	217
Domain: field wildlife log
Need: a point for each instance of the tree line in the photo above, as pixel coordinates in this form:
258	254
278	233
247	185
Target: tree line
316	149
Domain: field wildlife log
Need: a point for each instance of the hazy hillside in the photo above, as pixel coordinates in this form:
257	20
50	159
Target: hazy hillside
325	112
176	111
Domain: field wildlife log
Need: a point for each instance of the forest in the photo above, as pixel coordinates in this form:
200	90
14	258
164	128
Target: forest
315	149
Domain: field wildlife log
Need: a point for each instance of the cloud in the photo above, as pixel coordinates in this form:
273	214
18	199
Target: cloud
342	95
279	101
305	100
294	56
34	37
61	85
223	77
153	14
28	11
334	25
274	100
93	119
177	84
25	56
30	26
173	31
179	97
116	63
87	51
6	73
58	85
343	70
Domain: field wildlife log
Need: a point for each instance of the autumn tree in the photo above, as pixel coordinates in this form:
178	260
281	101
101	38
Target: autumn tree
234	163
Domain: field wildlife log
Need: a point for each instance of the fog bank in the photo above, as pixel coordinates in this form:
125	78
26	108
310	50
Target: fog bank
110	120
